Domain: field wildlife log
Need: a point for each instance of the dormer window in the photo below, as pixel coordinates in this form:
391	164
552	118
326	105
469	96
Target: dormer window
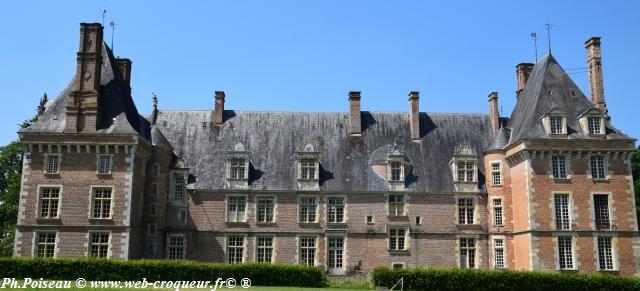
464	168
237	168
556	124
308	169
467	171
396	171
592	122
594	125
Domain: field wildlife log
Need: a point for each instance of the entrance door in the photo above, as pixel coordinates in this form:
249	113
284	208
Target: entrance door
335	264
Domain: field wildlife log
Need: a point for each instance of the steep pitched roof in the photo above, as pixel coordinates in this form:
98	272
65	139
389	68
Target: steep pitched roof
550	88
118	113
272	140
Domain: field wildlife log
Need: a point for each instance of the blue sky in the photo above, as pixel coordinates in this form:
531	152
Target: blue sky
306	55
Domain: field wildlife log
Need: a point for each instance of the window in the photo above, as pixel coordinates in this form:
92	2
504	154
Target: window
154	190
155	170
51	164
101	203
397	237
396	204
605	254
235	249
179	187
467	252
182	216
152	229
369	219
556	125
496	174
601	208
559	167
98	244
498	253
176	248
153	209
307	251
104	164
466	209
562	212
265	209
307	169
497	212
236	206
397	266
597	168
308	206
593	124
466	171
264	249
151	248
565	252
396	171
45	244
237	168
49	202
418	220
335	209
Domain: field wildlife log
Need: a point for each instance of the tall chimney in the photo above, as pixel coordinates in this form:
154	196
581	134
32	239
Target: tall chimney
494	113
523	70
124	65
596	85
355	118
82	108
219	108
414	114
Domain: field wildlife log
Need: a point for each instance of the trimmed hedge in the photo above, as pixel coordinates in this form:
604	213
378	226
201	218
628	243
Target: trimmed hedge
457	279
162	270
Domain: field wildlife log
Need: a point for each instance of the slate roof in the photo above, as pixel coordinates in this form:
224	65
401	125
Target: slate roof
272	139
115	102
549	87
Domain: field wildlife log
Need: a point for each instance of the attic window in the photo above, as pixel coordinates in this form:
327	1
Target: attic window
556	124
594	125
55	117
204	125
164	123
573	93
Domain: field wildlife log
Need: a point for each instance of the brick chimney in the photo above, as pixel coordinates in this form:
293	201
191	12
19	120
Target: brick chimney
82	108
218	112
124	65
355	118
594	62
523	70
414	114
494	113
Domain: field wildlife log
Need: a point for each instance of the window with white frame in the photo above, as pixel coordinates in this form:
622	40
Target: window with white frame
182	216
308	169
605	253
565	252
237	168
563	219
176	247
178	186
45	244
559	167
396	204
49	202
496	174
556	124
265	206
235	249
151	248
264	249
466	171
308	208
601	211
396	171
467	252
51	163
397	238
466	210
104	164
594	125
236	208
498	253
153	209
497	212
101	200
307	251
369	219
597	168
152	229
98	244
335	209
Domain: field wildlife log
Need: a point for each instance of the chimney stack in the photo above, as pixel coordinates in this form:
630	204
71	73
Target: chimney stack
494	113
82	108
218	112
124	65
414	114
355	119
523	70
596	84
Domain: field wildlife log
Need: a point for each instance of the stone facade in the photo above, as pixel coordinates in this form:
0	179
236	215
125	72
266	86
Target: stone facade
345	191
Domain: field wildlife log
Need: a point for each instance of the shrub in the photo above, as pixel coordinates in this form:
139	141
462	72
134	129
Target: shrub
457	279
162	270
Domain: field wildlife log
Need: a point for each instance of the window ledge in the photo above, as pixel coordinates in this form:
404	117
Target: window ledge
104	174
558	135
237	179
614	271
266	223
574	270
497	186
52	175
404	252
50	220
561	180
605	180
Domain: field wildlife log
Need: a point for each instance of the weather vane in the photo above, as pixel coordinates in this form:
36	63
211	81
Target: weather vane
534	35
113	30
549	27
